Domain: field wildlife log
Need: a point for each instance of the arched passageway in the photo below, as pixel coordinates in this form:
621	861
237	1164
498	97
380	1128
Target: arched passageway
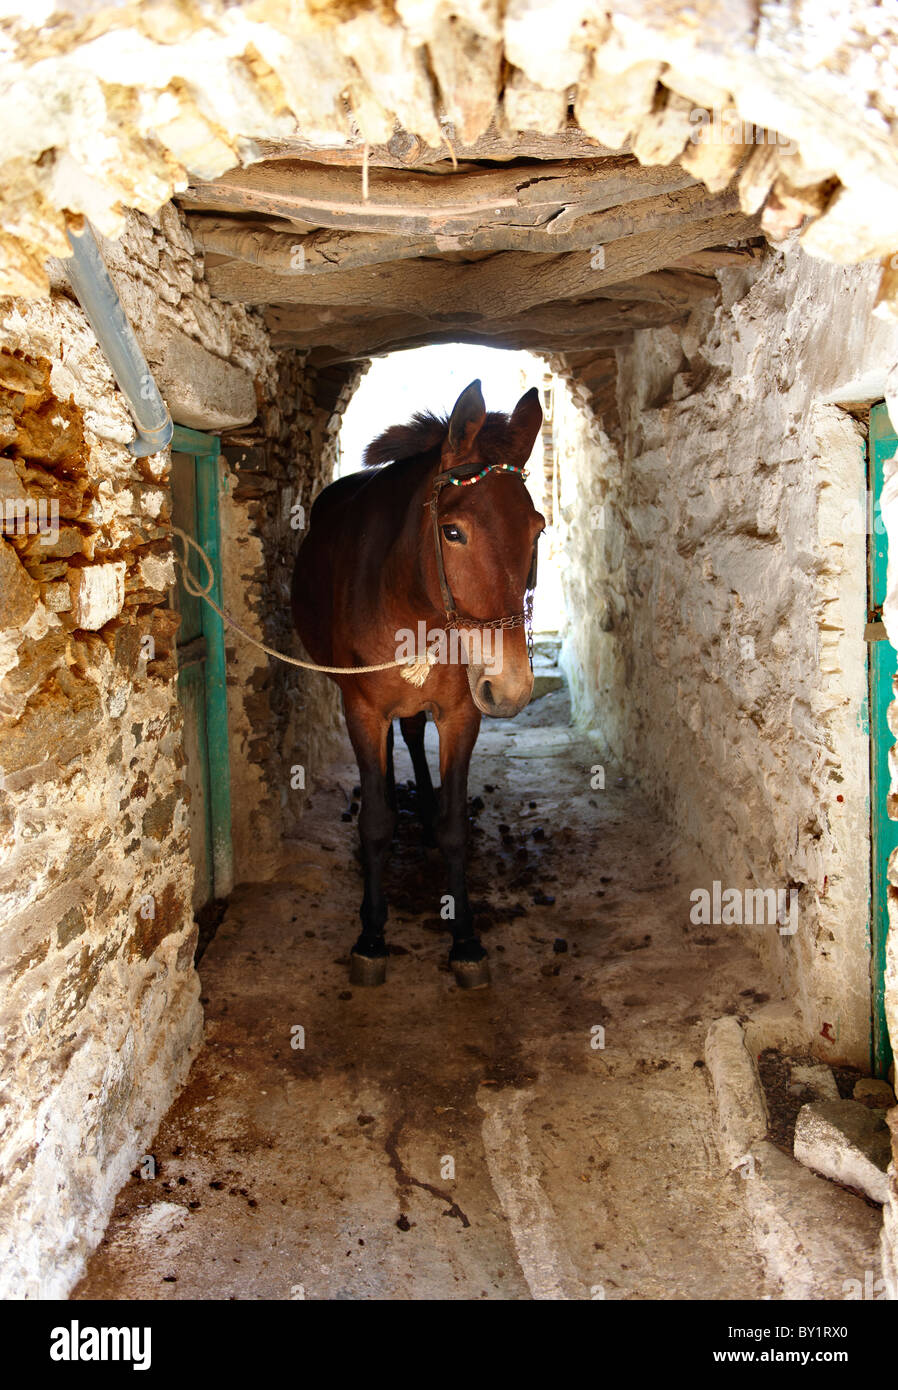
697	238
500	1139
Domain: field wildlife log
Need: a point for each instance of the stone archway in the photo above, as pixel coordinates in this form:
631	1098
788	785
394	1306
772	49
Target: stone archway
602	188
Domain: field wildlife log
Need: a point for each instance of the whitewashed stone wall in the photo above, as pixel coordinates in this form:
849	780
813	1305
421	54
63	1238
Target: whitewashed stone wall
732	511
589	477
718	595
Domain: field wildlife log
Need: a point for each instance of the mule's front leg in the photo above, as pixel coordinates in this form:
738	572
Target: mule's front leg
458	734
368	732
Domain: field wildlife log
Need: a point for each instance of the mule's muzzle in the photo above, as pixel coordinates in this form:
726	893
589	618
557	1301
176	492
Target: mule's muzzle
500	696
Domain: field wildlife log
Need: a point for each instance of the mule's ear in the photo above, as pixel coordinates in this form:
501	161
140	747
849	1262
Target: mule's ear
468	414
526	422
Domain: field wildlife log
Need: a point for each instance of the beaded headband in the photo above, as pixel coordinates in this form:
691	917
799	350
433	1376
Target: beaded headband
490	468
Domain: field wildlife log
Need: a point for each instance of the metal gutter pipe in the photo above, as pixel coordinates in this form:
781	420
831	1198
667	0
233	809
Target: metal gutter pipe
99	299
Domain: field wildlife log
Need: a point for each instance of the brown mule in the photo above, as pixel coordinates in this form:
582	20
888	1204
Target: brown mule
436	548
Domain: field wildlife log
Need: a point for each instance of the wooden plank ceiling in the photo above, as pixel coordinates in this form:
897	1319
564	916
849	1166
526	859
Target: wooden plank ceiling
550	243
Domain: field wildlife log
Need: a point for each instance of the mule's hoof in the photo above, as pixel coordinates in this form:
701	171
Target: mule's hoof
367	970
471	974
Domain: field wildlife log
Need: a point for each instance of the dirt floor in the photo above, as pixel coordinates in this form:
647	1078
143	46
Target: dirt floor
425	1142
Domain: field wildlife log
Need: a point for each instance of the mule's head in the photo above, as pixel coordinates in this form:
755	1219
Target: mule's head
488	531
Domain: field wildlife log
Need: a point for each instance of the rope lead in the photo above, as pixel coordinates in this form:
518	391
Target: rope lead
415	672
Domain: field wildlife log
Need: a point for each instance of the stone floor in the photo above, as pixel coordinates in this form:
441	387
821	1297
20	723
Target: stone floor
424	1142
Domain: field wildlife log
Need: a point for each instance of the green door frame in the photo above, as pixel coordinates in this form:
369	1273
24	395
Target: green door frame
883	664
206	451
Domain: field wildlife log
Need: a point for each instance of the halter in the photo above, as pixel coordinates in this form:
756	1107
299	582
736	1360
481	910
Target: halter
465	477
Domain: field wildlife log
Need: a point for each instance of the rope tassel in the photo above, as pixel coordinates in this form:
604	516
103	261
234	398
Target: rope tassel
416	672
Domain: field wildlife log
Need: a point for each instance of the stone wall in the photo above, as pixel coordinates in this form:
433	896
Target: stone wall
122	107
718	593
101	1017
280	718
589	470
278	419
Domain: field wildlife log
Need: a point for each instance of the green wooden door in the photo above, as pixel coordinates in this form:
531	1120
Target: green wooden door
192	654
201	669
883	664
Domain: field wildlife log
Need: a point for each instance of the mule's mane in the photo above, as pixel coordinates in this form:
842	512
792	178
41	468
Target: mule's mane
426	432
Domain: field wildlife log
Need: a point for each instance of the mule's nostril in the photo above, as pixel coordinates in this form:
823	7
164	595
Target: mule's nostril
486	693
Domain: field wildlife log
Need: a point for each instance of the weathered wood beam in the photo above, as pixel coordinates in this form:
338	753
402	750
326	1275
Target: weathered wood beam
527	280
719	258
558	321
326	251
499	286
320	252
515	341
677	288
399	331
407	151
421	204
674	294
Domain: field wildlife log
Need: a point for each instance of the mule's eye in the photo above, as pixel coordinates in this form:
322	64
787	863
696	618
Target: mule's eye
452	533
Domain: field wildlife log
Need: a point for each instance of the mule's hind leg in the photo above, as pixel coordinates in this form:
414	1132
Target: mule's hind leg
413	733
458	734
368	732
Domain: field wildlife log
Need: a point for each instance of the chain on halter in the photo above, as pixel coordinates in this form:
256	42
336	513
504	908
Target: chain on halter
453	618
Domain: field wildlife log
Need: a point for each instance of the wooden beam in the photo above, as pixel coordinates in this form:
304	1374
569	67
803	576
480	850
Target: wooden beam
407	151
319	252
524	281
677	288
414	204
674	294
499	286
719	258
400	330
515	341
290	328
325	251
